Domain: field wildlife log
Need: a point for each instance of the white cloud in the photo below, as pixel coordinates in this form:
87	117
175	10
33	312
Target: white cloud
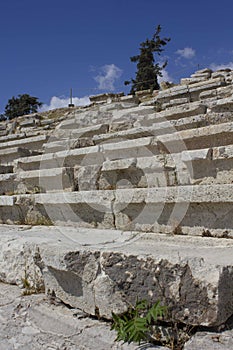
165	77
187	52
215	66
109	73
58	102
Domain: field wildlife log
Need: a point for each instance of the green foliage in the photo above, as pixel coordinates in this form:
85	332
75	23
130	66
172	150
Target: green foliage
147	71
136	323
21	105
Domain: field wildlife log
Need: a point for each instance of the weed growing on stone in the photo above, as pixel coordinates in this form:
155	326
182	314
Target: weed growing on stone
138	322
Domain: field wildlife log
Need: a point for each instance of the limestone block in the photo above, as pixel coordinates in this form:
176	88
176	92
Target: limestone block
206	85
192	275
11	137
120	126
32	143
225	91
193	80
68	124
46	180
142	147
105	97
130	99
223	105
86	177
132	173
203	208
176	102
182	111
8	155
211	341
85	208
173	93
68	158
119	164
132	113
27	122
208	94
81	142
206	74
123	135
204	137
30	163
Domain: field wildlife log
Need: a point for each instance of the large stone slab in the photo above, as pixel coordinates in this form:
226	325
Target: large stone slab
211	341
194	210
192	276
8	155
42	323
208	136
181	111
31	143
45	180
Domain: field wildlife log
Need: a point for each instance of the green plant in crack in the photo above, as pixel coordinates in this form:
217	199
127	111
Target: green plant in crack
138	322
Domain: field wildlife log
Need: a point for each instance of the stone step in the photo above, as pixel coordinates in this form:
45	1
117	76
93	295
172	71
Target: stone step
45	180
208	166
201	166
37	181
205	166
8	155
204	137
32	143
216	94
151	127
12	137
64	139
193	90
108	270
194	210
126	173
90	155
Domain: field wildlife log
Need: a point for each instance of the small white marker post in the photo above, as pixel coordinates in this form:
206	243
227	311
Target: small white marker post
71	103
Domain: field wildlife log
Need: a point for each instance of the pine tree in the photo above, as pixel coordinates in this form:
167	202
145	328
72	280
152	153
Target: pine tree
21	105
147	71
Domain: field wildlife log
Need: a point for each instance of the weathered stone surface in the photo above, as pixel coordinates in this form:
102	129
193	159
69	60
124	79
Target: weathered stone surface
225	104
208	136
211	341
192	276
7	183
209	84
31	143
172	93
45	180
176	102
181	111
8	155
42	323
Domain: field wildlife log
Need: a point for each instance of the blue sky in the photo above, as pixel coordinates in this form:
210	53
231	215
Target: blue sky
49	46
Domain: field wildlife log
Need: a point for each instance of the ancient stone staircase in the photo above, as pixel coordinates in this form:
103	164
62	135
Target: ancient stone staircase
162	164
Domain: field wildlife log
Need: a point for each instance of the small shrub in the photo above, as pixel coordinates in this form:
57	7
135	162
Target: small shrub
137	323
